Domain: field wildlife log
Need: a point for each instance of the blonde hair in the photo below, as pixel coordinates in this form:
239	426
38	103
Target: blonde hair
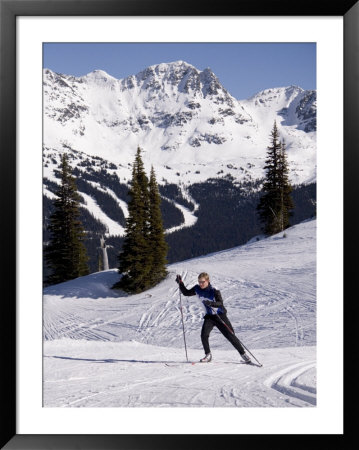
203	275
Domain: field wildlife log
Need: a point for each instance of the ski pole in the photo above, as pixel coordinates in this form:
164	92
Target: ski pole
184	334
236	336
260	364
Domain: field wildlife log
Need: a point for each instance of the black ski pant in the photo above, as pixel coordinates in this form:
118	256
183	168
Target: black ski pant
225	328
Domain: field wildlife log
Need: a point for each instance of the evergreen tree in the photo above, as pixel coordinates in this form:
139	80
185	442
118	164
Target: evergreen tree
275	204
286	200
158	245
135	260
66	254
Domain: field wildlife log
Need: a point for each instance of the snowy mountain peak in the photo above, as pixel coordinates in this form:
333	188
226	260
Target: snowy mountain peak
278	94
178	77
295	106
159	75
172	66
183	118
165	70
98	76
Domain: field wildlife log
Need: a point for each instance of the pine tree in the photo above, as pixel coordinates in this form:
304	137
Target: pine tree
66	254
286	200
275	204
135	260
158	245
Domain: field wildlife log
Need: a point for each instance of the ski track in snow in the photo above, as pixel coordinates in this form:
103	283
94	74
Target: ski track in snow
285	381
104	348
145	380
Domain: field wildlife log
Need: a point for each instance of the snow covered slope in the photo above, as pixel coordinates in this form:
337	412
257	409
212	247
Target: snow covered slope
105	348
189	126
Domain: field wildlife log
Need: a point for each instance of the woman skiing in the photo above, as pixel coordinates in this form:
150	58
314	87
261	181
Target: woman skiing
215	315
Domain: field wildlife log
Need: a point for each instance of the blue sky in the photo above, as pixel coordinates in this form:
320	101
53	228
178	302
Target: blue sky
243	69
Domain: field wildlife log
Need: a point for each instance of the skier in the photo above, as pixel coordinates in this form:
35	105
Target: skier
216	315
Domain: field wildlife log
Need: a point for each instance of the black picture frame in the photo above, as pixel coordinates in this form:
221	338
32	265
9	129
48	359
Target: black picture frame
9	11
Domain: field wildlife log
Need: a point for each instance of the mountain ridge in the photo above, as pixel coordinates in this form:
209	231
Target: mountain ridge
183	118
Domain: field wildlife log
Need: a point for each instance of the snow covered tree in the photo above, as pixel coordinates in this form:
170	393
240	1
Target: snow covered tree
66	254
157	242
276	203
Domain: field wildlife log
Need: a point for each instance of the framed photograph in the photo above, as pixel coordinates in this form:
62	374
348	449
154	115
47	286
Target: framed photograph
26	29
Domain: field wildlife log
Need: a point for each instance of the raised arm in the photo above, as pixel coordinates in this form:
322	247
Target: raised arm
186	292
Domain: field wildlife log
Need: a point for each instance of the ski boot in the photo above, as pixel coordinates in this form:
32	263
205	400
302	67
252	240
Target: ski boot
207	358
246	358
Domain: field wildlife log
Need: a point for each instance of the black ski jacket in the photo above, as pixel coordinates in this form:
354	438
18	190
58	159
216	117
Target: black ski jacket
209	293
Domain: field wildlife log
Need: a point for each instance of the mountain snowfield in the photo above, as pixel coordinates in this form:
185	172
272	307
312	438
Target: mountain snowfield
189	126
104	348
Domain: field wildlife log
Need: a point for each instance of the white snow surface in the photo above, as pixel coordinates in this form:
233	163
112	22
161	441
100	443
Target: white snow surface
104	348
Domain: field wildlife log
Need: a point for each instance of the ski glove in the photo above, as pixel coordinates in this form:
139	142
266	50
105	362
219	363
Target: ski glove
178	279
207	302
